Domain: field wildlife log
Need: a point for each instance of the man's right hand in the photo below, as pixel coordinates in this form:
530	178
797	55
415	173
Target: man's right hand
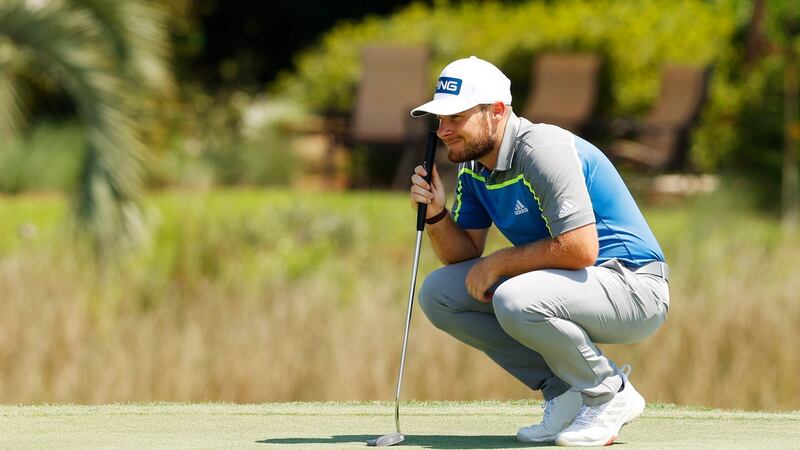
432	194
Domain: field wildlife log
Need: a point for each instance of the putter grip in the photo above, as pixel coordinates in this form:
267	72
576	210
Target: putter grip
430	153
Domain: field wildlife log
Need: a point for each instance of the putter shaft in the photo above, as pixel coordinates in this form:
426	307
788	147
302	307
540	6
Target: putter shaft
395	438
411	289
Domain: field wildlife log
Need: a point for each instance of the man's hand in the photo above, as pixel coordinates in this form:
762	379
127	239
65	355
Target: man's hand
432	194
481	278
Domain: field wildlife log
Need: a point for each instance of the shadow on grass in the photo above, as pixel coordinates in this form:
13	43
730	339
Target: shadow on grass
427	441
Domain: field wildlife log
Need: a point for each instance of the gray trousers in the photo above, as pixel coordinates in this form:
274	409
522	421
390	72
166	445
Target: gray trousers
542	326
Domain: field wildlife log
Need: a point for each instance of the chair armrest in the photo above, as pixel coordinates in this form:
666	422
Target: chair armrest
624	127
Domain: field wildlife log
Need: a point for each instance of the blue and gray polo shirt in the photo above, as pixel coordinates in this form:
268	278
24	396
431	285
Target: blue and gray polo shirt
549	181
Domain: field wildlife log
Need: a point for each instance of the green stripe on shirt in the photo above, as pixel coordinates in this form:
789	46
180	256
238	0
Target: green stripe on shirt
497	186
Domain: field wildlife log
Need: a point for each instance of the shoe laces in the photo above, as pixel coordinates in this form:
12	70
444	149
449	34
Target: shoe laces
626	370
548	407
588	414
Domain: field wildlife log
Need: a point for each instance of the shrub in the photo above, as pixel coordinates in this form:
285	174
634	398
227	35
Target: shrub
47	158
230	139
635	38
740	124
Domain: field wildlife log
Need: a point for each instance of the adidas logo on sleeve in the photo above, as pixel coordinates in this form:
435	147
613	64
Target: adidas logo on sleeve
567	208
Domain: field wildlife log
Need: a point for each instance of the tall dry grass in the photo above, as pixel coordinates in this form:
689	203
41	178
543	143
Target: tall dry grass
251	296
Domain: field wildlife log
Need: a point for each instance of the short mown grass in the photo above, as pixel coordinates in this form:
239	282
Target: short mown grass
437	425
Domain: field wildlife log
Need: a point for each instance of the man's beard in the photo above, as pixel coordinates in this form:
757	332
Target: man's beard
478	147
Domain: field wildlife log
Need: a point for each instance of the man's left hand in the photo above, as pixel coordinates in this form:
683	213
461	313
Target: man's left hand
480	279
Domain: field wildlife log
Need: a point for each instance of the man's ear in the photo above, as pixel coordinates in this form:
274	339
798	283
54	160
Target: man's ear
498	110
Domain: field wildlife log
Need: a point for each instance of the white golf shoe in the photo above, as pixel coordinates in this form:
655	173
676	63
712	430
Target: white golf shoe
559	412
599	425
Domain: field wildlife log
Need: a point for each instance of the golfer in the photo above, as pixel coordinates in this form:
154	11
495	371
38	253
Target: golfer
584	267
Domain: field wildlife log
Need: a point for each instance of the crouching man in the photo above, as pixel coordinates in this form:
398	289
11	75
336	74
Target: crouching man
584	268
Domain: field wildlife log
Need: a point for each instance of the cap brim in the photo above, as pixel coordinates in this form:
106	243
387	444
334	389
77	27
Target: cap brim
443	107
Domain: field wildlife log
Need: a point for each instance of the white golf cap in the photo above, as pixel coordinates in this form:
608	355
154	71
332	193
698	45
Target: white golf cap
465	83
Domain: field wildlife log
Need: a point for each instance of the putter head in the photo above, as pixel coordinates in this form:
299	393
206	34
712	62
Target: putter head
386	440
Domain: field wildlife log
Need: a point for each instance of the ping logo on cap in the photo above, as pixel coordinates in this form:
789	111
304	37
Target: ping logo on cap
447	85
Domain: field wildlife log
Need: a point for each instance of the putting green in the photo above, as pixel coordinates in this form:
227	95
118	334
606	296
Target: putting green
442	425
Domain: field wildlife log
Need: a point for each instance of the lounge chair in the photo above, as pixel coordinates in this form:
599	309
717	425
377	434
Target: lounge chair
564	90
394	80
660	140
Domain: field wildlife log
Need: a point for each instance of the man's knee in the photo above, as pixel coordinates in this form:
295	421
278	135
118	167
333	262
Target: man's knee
517	306
432	297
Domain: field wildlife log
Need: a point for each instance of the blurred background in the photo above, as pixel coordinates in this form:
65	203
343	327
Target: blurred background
205	200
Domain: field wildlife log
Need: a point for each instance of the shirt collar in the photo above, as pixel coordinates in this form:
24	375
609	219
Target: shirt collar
506	153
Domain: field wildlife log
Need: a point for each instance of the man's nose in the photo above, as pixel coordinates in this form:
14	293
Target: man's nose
444	129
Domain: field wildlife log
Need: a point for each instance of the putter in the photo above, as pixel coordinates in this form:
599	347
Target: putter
396	438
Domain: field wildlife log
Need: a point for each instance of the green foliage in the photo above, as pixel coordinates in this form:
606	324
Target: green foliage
110	59
743	129
230	139
758	150
783	23
740	122
48	158
635	38
30	222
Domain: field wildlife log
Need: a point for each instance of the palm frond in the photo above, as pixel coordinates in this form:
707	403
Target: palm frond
137	32
69	43
10	108
11	104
